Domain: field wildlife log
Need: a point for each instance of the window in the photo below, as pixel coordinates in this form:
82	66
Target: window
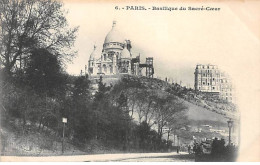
111	68
203	83
91	70
99	68
111	53
213	88
105	68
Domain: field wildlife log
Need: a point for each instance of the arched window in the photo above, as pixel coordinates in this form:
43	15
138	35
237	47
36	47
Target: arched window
104	68
99	68
111	69
91	70
105	57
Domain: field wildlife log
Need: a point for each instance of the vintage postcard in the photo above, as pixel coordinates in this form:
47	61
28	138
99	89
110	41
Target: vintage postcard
130	81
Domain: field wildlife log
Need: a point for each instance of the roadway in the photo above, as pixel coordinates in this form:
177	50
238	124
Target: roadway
126	157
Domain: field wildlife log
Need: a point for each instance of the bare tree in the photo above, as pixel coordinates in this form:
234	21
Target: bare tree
168	110
141	101
30	24
132	100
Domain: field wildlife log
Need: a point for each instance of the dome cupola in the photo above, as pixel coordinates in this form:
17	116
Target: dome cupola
93	54
125	53
114	35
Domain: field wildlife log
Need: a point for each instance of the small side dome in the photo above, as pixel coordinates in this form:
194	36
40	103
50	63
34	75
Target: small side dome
93	54
125	53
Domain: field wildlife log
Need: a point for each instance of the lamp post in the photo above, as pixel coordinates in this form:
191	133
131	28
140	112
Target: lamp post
64	120
174	137
169	131
178	140
230	124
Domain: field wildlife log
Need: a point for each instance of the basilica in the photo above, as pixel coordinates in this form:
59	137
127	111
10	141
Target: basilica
116	58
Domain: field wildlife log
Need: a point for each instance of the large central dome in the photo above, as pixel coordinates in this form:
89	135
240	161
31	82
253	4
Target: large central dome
114	35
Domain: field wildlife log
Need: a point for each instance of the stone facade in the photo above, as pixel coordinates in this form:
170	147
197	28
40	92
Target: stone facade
209	79
116	57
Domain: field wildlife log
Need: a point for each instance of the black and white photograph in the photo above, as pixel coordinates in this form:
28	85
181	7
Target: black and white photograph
129	81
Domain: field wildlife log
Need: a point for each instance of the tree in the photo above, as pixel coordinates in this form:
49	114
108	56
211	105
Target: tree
81	89
143	101
44	74
29	24
168	109
77	108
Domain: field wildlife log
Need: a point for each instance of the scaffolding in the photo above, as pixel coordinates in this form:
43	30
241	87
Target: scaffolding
149	69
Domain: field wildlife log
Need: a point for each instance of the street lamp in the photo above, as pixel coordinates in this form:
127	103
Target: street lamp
64	120
178	143
230	124
178	140
169	131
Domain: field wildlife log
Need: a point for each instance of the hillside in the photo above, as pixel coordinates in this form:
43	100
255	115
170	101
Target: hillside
25	137
206	102
202	109
14	142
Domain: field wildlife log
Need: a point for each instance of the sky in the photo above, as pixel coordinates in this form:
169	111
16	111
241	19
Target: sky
178	40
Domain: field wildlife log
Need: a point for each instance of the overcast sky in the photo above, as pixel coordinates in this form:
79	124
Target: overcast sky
178	40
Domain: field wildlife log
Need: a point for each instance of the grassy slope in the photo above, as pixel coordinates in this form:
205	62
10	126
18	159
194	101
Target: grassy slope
34	143
199	113
196	110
